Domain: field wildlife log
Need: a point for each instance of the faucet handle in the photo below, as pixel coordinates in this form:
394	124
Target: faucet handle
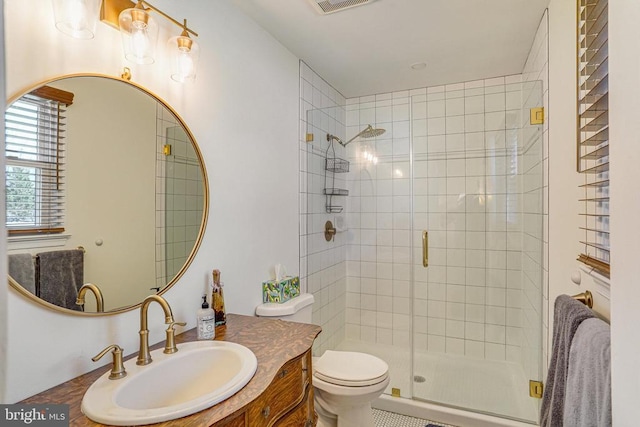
117	370
170	344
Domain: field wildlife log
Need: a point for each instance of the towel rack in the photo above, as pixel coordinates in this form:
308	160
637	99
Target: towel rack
585	297
80	248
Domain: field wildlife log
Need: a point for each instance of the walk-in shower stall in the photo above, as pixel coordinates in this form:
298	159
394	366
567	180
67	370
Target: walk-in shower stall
436	265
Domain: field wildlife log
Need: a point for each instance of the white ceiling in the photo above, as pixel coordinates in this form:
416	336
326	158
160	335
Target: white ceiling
370	49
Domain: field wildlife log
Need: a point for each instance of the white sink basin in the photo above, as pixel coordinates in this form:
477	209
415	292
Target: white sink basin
199	375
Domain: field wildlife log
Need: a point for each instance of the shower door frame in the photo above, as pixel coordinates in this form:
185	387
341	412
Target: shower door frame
532	91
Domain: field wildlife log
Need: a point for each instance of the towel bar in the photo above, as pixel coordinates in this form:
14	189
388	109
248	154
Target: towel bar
585	297
80	248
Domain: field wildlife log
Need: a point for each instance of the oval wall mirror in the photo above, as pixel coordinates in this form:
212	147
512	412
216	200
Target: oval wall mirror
107	194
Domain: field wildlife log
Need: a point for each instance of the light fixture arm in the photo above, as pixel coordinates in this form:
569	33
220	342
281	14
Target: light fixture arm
133	19
155	9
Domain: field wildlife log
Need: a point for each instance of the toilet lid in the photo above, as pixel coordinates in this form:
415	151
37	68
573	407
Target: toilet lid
350	368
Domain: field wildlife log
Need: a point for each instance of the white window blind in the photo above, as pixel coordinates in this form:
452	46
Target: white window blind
593	132
34	173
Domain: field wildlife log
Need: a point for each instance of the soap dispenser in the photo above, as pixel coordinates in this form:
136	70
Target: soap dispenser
206	321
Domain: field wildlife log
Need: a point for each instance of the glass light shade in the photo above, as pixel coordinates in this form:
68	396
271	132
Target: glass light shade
139	33
185	54
76	18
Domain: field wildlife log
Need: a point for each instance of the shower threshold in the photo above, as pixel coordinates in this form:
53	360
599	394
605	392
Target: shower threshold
493	387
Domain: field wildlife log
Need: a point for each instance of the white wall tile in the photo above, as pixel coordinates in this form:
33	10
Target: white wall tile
436	109
436	126
436	143
495	102
474	140
475	332
495	120
464	210
474	105
474	122
455	346
455	107
383	114
495	351
436	343
474	349
475	313
455	125
494	81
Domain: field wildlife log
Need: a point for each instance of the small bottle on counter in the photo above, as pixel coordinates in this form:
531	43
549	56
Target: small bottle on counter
206	321
217	299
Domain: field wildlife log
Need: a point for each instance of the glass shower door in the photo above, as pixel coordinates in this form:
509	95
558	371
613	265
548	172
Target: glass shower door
476	168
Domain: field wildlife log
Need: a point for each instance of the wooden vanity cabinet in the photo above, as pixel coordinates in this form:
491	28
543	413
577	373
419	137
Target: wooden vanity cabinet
280	394
287	402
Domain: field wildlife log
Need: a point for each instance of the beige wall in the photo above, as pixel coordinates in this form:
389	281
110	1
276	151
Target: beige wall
624	69
564	193
110	186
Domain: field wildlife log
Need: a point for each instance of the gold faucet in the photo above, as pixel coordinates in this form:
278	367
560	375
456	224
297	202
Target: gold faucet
96	292
144	358
170	343
117	370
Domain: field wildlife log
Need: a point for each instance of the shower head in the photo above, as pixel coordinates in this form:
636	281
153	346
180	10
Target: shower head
368	132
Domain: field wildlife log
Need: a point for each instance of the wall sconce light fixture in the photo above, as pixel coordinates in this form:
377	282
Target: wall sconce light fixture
137	27
139	33
76	18
184	56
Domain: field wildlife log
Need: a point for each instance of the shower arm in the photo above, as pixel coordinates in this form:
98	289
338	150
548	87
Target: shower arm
334	138
330	137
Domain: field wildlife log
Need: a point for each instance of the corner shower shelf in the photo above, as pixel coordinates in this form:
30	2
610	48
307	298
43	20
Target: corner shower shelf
334	209
337	165
334	165
336	192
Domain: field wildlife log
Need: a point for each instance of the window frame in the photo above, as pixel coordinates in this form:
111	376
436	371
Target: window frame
47	158
592	145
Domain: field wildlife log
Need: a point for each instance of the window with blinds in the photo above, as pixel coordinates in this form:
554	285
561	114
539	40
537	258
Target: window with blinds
34	172
593	133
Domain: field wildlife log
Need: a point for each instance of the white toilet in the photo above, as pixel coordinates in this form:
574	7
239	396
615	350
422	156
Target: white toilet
344	382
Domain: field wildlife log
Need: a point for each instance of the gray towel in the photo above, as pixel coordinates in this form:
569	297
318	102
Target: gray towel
588	395
23	270
59	275
567	316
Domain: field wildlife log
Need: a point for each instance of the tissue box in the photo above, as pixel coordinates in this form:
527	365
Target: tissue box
280	291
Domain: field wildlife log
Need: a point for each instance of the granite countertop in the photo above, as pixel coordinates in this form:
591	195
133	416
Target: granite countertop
274	342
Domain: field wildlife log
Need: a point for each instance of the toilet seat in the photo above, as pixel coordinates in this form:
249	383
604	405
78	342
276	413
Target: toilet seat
350	369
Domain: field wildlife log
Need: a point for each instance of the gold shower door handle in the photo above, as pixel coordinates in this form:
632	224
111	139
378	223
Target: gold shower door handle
425	248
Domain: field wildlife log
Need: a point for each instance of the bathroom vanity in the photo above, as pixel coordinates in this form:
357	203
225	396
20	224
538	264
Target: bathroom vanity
279	394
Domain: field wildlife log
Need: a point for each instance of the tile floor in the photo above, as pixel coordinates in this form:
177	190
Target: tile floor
390	419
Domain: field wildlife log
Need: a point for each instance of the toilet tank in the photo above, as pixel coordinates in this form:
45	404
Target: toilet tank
298	309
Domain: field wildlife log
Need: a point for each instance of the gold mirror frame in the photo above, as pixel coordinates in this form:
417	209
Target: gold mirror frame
205	213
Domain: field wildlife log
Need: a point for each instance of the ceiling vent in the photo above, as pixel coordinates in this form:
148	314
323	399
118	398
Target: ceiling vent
324	7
